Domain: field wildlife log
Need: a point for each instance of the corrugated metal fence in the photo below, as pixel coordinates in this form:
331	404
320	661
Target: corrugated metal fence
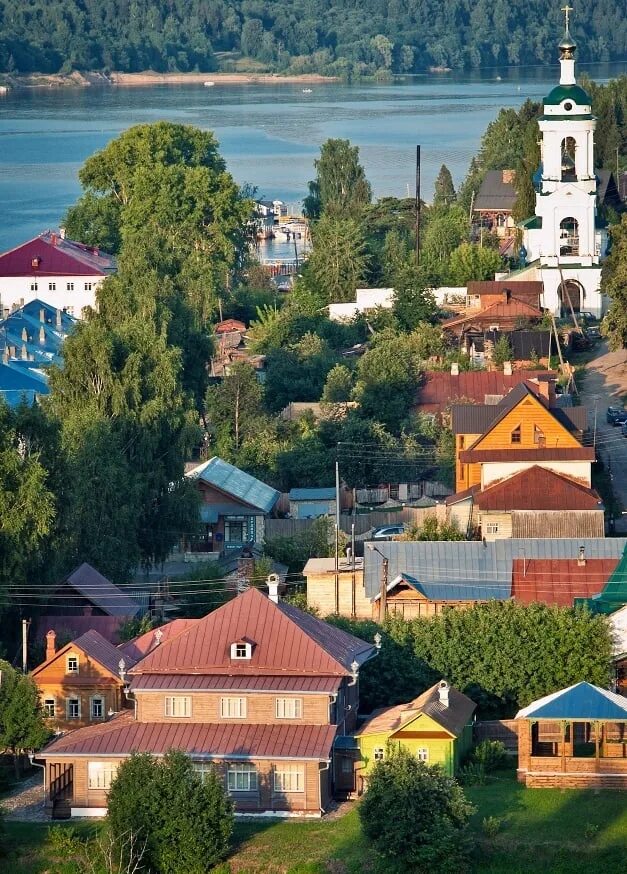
363	522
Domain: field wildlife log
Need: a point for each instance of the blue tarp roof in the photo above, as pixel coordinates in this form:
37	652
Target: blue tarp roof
582	701
312	494
235	482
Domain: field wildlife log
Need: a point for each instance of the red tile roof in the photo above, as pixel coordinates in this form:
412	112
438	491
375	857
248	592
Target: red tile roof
570	453
559	581
208	683
513	309
537	488
442	388
56	257
140	646
123	736
287	641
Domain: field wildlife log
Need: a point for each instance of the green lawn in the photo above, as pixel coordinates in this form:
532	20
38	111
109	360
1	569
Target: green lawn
544	830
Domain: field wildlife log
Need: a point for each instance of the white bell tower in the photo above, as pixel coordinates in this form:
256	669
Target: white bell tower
563	235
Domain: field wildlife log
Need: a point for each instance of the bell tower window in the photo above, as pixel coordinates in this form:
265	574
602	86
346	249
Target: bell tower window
569	236
569	171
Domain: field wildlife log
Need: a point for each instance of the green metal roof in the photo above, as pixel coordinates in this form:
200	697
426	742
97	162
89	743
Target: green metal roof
614	595
568	92
312	494
235	482
581	701
532	224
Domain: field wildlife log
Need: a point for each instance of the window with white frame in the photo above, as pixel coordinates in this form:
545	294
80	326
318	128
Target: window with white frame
49	707
492	528
88	286
289	708
70	286
97	707
52	286
289	778
178	705
73	708
203	769
33	286
241	777
422	754
378	754
233	708
71	664
241	650
100	775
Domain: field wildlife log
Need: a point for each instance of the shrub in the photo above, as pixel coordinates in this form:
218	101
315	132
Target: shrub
472	774
180	821
491	826
416	816
491	754
590	831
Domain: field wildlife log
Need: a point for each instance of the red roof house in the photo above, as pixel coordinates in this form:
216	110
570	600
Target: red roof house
441	388
559	581
51	254
257	688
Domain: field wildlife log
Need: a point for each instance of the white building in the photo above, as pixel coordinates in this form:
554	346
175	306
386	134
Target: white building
365	299
55	270
563	241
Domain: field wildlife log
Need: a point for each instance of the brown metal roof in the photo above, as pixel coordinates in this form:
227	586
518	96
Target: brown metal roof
140	646
286	641
537	488
572	453
96	588
559	581
221	682
123	736
512	309
453	718
441	387
522	288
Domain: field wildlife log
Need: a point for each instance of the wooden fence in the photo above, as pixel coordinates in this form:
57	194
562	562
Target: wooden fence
364	522
505	730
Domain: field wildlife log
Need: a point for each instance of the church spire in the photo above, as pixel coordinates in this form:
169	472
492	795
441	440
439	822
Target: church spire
567	49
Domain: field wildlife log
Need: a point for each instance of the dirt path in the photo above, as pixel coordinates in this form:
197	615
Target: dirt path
26	802
605	384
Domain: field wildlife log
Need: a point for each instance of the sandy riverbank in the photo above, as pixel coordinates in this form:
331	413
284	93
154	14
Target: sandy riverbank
129	80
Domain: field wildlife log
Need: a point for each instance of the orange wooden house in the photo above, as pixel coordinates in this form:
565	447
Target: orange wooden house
83	682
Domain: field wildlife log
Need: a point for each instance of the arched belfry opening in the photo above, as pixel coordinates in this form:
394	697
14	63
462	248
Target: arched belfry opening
569	236
569	171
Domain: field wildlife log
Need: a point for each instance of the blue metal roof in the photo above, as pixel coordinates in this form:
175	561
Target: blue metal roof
582	701
235	482
19	384
470	564
436	591
312	494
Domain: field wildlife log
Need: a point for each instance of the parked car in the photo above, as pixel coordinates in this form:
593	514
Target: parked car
593	332
387	532
616	416
587	317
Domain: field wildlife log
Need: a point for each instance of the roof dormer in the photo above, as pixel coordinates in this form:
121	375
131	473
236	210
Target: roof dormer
242	649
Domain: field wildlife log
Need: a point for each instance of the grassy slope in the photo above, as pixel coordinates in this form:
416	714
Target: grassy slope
545	831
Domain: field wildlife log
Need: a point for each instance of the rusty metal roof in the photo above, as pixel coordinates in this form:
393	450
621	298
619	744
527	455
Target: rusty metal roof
441	387
537	488
140	646
453	718
123	736
572	453
512	309
286	641
221	682
559	581
521	288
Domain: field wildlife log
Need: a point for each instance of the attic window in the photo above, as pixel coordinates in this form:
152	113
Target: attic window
35	262
538	436
516	435
71	665
241	650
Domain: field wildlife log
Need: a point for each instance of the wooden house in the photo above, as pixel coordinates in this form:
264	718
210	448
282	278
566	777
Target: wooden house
436	727
574	739
234	506
492	207
83	682
257	689
86	600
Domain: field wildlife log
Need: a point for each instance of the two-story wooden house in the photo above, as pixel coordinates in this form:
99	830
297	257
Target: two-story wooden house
257	689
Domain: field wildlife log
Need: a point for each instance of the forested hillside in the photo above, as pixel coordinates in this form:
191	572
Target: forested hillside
342	37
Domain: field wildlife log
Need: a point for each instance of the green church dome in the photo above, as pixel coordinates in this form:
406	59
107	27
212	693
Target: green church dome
568	92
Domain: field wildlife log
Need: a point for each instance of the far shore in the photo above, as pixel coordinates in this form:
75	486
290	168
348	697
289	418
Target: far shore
149	77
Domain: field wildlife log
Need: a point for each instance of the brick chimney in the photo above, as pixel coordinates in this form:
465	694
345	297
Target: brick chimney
443	691
273	587
581	561
51	644
508	176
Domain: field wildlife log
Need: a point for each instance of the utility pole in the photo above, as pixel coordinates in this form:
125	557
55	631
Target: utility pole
353	606
25	624
417	204
337	535
596	401
383	607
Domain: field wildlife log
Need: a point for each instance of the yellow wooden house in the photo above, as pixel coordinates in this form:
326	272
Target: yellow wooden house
493	442
436	727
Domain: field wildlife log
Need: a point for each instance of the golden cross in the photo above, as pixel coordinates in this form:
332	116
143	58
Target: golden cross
567	10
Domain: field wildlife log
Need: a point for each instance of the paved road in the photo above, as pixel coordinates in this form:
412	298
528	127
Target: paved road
604	384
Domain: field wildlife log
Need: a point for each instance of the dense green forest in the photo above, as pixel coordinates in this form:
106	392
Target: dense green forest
342	37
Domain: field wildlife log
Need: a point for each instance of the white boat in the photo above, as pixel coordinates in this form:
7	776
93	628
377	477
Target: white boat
307	91
209	84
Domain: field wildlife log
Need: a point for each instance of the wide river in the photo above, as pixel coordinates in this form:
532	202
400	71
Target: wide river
269	134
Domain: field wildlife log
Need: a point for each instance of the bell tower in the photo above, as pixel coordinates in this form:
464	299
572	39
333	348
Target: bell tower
563	234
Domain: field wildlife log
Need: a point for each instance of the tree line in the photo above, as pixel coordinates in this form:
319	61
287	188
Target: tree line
336	37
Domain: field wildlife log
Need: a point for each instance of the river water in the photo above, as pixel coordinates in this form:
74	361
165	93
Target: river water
269	134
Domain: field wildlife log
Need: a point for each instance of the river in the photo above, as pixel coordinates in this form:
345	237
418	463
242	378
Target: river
269	134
